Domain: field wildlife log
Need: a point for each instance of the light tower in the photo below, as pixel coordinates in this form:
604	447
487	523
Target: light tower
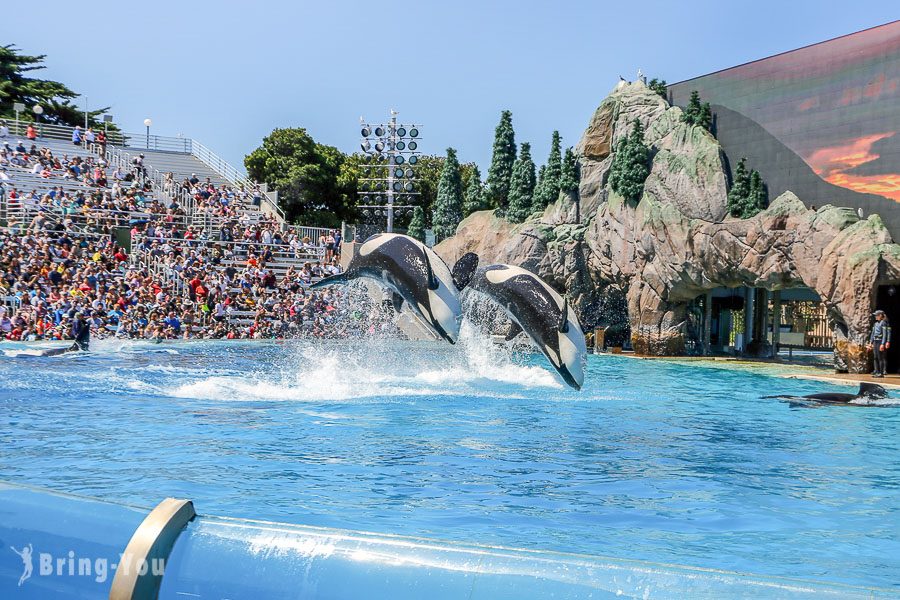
389	173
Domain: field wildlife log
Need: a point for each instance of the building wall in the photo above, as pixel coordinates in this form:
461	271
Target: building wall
822	121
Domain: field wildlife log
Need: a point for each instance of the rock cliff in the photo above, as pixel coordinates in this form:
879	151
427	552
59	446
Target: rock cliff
677	242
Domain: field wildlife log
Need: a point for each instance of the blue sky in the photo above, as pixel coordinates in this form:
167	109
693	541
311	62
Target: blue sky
227	73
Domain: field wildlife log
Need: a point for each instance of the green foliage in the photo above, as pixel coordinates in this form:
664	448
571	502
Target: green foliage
659	86
547	189
448	207
54	97
416	227
500	173
521	187
631	164
475	196
748	194
698	113
428	175
570	177
315	183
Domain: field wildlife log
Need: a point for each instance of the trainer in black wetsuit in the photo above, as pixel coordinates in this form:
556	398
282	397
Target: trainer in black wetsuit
881	342
81	331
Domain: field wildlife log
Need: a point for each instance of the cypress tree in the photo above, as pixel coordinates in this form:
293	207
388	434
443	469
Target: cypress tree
475	197
692	112
417	224
704	117
500	173
758	195
568	182
448	205
521	187
740	190
630	165
554	165
542	192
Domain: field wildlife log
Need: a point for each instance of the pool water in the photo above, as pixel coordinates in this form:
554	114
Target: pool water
654	460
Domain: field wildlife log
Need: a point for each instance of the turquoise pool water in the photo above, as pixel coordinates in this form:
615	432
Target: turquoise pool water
658	461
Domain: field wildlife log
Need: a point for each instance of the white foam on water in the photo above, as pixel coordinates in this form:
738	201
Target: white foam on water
362	369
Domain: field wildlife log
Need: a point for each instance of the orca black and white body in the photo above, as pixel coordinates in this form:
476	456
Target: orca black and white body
414	273
82	342
867	391
535	308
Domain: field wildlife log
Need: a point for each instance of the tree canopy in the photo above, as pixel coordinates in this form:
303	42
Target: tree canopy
698	113
504	156
659	86
748	194
316	183
475	197
17	85
416	227
521	188
631	164
448	206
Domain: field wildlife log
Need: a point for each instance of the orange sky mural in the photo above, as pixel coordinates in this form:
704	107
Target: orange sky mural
835	164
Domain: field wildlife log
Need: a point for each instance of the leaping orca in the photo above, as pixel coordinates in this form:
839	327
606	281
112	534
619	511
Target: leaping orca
416	275
867	391
535	308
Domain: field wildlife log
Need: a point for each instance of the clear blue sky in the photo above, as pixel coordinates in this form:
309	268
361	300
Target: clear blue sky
228	72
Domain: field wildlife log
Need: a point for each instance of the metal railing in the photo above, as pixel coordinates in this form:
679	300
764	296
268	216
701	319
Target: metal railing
12	304
136	141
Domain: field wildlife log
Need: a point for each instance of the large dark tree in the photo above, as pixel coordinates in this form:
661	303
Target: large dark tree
521	188
416	227
698	113
504	155
659	86
448	206
748	194
475	197
547	189
569	180
312	188
631	164
428	174
16	85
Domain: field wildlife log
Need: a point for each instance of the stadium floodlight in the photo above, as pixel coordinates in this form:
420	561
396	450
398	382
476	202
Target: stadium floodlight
148	123
387	146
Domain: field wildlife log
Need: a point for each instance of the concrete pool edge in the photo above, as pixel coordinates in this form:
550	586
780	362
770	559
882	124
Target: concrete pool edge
206	555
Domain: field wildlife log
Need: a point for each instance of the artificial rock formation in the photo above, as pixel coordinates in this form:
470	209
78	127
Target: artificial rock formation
678	242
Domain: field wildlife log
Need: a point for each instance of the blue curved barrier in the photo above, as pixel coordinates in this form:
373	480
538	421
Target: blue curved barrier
231	558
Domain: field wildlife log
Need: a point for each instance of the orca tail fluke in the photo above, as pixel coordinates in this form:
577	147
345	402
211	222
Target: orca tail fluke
464	270
339	279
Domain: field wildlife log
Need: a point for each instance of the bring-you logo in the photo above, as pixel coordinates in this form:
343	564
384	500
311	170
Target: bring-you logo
74	565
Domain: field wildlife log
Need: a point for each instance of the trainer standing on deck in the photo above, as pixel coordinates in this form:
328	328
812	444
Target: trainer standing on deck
880	342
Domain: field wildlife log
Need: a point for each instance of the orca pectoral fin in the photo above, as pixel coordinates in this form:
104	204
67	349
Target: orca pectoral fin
429	273
514	330
397	301
464	270
563	325
338	279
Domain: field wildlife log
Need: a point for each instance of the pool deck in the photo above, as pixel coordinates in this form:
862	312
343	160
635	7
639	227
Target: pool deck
792	370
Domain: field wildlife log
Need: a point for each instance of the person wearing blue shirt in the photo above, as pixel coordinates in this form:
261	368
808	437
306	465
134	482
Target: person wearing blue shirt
880	342
173	322
76	136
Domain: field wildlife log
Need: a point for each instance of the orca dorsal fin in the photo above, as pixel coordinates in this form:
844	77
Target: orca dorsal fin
429	273
464	270
872	390
563	325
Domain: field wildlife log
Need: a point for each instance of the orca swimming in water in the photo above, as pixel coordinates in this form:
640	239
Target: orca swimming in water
535	308
867	391
414	273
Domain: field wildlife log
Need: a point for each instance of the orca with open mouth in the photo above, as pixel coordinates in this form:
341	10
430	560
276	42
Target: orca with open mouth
535	308
414	273
867	391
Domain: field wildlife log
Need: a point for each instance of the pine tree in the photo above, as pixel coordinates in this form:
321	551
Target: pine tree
758	195
659	86
417	224
704	117
691	114
568	181
475	197
521	187
448	206
740	190
500	173
542	192
630	165
554	165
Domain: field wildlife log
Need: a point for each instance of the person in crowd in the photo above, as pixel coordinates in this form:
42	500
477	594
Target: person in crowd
76	135
880	342
30	132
